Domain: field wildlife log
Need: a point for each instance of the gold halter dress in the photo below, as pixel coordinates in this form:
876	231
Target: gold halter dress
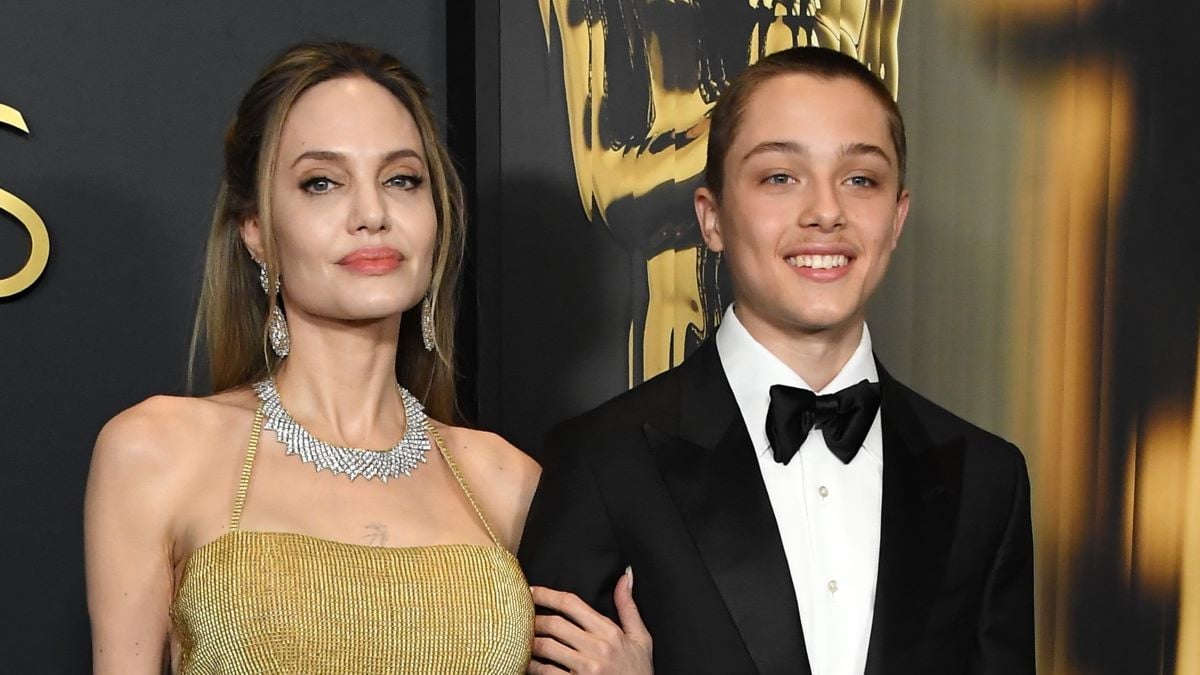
276	602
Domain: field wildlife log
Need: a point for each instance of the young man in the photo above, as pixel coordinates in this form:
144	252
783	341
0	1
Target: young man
771	530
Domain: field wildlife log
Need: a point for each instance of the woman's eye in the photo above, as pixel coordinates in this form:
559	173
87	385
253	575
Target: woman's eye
318	185
861	181
404	182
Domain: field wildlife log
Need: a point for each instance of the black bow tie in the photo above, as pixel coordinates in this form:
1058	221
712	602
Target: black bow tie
844	418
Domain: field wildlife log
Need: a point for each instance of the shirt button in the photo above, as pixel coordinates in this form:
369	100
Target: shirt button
833	586
823	491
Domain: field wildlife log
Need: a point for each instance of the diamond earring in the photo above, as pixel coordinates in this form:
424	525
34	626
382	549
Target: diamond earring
427	335
281	340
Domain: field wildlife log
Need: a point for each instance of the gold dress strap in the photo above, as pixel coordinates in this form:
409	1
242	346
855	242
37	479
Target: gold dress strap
462	482
239	501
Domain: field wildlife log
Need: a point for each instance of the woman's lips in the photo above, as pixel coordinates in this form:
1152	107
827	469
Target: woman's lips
372	260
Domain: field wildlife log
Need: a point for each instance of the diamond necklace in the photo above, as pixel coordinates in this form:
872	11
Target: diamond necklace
402	458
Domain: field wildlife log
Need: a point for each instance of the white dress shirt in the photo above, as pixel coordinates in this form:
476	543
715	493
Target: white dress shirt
828	513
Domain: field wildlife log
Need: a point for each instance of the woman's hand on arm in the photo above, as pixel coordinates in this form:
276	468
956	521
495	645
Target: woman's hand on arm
128	547
582	640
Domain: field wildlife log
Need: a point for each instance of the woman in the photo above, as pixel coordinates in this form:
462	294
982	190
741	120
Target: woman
326	311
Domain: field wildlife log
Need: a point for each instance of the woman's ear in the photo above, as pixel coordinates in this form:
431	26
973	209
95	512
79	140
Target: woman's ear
251	233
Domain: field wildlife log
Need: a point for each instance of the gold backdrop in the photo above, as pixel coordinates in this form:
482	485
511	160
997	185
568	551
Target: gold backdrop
675	57
1020	296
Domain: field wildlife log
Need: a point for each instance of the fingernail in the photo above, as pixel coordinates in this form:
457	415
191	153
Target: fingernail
629	573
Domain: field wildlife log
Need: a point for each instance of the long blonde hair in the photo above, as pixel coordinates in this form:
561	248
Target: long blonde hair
231	318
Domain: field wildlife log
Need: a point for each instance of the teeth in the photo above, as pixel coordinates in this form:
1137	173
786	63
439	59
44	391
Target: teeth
818	262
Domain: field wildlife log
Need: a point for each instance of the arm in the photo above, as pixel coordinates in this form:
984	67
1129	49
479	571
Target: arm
569	543
1005	634
127	548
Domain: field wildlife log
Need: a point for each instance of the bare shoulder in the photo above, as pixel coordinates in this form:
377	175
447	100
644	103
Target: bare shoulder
487	453
158	437
136	439
501	476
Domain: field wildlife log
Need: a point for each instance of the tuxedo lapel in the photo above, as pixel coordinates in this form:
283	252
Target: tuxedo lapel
922	483
707	462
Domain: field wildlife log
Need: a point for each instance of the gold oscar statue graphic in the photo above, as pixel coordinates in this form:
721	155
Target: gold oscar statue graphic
640	78
39	250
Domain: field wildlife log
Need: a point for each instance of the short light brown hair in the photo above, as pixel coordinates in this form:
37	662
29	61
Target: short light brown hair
815	61
232	318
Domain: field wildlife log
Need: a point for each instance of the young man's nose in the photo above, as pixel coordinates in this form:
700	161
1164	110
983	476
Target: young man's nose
824	208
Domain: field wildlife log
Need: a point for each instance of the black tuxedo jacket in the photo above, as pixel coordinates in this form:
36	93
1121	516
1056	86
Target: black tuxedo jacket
664	478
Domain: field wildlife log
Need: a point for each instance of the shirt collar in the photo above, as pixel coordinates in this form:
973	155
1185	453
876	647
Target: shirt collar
752	369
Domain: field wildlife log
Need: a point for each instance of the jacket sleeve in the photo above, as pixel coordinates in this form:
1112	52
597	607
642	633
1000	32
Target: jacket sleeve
568	542
1004	644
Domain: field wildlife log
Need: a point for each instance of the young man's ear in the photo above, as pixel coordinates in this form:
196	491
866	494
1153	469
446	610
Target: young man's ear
901	216
705	203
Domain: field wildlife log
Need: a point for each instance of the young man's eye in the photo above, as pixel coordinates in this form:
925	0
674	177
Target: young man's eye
318	185
778	179
861	181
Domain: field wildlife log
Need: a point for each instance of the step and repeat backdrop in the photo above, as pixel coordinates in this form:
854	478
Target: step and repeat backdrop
1045	286
111	123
